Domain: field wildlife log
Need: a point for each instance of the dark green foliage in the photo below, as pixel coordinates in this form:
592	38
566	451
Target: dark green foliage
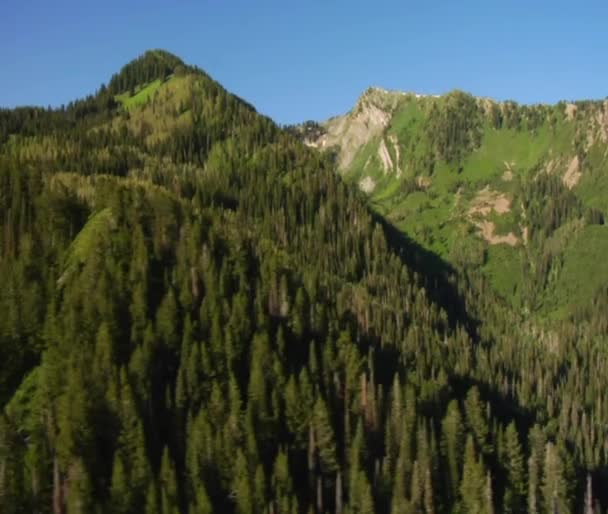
154	64
214	322
309	130
453	127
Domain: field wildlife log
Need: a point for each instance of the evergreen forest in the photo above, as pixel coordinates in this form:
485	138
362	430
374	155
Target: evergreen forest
200	314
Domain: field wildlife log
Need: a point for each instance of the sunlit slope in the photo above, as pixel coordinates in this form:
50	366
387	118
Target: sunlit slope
485	185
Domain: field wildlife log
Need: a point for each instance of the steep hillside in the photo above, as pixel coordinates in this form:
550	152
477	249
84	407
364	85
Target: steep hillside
200	316
502	188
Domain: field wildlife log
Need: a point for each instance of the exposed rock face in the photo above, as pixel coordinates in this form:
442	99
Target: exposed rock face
369	117
573	173
570	111
385	156
367	185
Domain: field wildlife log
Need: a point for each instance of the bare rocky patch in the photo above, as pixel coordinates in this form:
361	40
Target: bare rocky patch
393	139
367	185
385	156
570	111
367	120
573	173
551	166
487	201
486	230
484	203
525	234
507	175
423	182
602	121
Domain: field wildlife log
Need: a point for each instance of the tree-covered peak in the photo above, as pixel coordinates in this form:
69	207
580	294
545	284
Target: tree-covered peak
151	65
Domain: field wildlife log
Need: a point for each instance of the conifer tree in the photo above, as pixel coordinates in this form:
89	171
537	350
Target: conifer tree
452	444
515	488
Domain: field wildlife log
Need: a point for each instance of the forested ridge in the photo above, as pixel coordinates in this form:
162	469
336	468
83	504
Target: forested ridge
514	193
199	315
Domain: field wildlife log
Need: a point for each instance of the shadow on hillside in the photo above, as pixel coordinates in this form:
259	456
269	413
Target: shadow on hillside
439	278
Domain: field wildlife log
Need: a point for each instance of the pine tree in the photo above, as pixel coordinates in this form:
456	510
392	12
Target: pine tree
241	486
168	485
416	489
80	493
202	503
515	488
472	486
536	443
282	486
325	438
476	419
452	443
555	487
120	492
429	502
533	484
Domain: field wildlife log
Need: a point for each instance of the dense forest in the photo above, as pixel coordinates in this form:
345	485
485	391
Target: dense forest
200	315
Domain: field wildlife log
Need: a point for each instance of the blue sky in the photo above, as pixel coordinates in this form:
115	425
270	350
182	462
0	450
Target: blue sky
309	59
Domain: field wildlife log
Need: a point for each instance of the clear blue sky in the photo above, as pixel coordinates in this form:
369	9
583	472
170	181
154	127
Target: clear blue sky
309	59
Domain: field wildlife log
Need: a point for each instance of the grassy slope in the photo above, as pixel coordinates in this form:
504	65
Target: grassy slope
85	241
140	96
156	108
436	216
584	271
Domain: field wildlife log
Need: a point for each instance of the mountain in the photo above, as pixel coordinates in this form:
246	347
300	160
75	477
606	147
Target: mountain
200	315
517	193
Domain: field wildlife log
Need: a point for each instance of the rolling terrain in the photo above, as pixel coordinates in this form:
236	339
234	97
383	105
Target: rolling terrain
516	192
203	314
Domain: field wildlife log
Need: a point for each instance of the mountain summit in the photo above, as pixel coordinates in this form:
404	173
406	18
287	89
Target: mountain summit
152	65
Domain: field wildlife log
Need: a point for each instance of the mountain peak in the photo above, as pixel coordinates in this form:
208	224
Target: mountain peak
379	97
383	97
151	65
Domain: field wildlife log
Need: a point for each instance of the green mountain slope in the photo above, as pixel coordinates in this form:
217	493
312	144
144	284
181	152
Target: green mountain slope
485	185
200	315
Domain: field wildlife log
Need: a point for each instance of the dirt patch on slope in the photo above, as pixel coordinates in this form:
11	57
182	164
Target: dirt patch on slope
367	185
423	182
507	176
484	203
487	201
486	230
573	173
